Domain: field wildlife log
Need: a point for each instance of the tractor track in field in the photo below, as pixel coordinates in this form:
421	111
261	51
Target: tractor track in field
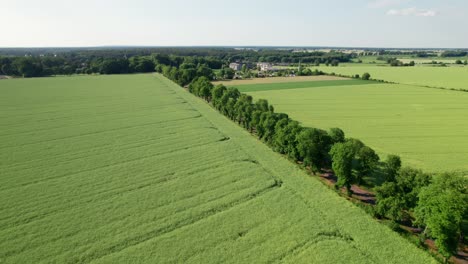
109	165
182	223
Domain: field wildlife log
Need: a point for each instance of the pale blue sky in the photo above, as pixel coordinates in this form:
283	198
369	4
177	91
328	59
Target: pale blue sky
359	23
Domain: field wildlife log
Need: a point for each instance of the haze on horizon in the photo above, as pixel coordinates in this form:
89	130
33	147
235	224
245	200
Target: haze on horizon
360	23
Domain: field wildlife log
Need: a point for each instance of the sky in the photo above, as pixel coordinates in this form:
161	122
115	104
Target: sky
344	23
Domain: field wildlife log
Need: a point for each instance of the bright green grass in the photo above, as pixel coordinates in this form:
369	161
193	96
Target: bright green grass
296	85
133	169
446	77
427	127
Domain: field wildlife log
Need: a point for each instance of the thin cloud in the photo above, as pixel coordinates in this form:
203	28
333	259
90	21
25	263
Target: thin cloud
385	3
412	12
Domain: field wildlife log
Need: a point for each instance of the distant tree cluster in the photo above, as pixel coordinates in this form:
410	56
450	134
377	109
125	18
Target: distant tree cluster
48	66
454	53
186	72
308	72
394	62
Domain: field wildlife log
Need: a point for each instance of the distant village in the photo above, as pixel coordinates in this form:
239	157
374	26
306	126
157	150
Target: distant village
260	69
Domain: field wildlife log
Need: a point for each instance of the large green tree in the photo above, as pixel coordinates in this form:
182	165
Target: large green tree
392	166
397	199
441	209
342	155
216	94
313	146
367	161
336	134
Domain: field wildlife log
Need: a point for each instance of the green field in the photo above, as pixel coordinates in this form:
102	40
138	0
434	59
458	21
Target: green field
405	59
133	169
446	77
297	85
427	127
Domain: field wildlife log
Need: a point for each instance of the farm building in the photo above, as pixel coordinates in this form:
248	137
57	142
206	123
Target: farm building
265	66
236	66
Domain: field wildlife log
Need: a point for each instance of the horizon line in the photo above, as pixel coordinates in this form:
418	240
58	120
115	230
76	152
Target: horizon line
231	46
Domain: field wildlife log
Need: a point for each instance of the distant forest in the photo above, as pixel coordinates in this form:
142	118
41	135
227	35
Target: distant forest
37	62
64	61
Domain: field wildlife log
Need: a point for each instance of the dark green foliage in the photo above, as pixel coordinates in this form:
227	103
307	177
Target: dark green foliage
342	163
27	67
366	76
392	165
337	135
216	95
313	146
262	105
141	64
202	87
285	141
454	53
367	160
397	198
441	209
226	73
114	66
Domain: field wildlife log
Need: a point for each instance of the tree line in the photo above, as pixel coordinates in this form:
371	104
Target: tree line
454	53
38	66
438	203
37	62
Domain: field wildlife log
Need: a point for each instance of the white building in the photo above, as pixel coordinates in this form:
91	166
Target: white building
265	66
236	66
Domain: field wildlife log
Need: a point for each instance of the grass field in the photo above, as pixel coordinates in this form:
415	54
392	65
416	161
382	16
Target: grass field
426	127
447	77
297	85
133	169
279	80
406	59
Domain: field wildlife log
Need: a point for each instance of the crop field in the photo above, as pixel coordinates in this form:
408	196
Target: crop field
134	169
280	80
425	126
447	77
372	60
298	85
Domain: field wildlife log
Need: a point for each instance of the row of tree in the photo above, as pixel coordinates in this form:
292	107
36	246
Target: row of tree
65	61
394	62
454	53
186	73
315	148
437	203
47	66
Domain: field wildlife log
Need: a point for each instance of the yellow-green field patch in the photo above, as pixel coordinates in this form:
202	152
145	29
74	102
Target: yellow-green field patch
425	126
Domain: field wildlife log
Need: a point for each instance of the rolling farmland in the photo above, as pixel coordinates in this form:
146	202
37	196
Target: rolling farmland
425	126
132	168
446	77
